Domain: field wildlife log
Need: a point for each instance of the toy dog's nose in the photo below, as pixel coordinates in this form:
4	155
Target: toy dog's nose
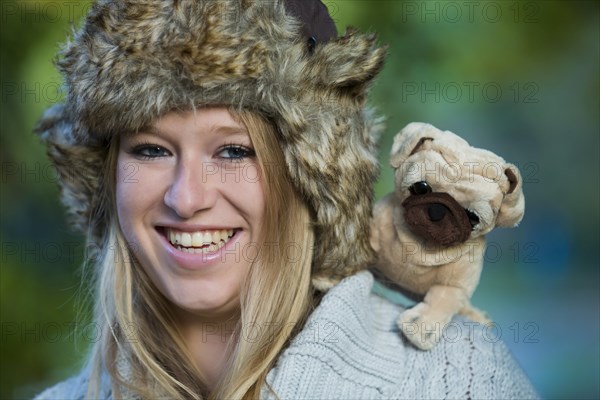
437	212
437	218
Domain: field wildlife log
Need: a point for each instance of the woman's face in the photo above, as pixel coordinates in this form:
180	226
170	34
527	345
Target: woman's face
190	205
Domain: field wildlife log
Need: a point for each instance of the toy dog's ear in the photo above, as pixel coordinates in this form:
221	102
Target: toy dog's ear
415	137
513	205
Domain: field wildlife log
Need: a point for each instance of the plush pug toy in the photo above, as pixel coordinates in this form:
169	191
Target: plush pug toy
430	232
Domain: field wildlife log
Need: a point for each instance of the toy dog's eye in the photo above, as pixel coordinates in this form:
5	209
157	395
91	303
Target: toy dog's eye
473	218
419	188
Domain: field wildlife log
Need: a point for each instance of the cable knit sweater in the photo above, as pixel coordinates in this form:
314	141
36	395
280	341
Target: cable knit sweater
351	348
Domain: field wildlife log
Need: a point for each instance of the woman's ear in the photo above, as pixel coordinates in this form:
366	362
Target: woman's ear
411	139
512	208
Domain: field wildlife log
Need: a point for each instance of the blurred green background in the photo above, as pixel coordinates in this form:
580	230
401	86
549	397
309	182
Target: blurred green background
518	78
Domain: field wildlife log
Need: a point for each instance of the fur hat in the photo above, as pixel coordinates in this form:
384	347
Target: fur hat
133	61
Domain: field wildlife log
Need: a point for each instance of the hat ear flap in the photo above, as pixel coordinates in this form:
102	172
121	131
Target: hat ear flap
512	208
348	63
79	166
413	138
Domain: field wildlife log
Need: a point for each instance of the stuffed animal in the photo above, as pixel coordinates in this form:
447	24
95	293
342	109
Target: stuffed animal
429	233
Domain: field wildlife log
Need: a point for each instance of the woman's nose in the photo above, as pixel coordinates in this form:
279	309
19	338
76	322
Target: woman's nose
191	191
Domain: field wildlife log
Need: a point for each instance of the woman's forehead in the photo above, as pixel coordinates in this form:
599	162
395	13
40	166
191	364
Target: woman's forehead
214	119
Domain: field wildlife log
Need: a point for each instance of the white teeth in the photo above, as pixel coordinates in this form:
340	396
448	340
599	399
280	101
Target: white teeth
186	239
197	239
199	242
208	249
212	248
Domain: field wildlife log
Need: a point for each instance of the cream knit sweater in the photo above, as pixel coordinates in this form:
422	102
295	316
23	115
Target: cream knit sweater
351	348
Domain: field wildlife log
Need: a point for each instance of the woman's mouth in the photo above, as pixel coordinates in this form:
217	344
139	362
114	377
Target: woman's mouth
199	242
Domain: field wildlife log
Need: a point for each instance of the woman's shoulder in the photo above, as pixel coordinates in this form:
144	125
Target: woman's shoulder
351	347
73	388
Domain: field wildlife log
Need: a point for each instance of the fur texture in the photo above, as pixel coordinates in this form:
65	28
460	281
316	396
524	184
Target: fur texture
133	61
424	255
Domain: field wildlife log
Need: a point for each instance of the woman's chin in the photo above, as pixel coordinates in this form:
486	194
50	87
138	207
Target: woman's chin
206	306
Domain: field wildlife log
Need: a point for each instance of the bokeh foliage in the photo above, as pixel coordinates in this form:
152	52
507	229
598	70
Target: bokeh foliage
517	77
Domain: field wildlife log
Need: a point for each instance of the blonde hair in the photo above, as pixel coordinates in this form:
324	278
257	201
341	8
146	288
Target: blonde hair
141	347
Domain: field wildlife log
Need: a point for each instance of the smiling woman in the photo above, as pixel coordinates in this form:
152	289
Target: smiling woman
221	156
195	228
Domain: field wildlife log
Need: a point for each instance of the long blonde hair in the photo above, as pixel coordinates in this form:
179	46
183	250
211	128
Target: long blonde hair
141	347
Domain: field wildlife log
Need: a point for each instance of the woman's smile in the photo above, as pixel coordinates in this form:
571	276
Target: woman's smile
200	241
194	248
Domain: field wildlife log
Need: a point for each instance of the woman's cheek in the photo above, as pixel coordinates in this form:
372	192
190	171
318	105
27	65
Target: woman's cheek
136	190
123	199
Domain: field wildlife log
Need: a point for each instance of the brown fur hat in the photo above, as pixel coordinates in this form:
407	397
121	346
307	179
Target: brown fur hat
133	61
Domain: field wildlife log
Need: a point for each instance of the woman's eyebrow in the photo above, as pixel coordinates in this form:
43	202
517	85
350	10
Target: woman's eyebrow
151	129
229	130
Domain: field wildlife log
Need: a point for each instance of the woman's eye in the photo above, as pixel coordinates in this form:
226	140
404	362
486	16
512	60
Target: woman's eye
236	152
149	151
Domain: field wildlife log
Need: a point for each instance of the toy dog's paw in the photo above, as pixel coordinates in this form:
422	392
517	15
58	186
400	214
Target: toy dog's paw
323	284
421	326
475	314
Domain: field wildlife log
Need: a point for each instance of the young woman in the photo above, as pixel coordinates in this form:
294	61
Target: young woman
221	156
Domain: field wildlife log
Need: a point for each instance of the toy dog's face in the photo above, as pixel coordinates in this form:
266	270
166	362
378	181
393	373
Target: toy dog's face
452	192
